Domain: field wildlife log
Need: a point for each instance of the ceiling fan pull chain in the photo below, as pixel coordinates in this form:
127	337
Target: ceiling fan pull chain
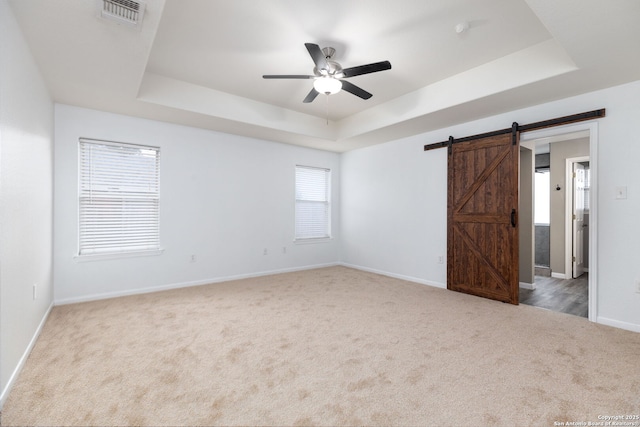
327	96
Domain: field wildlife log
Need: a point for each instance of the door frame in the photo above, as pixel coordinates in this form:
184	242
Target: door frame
592	128
568	213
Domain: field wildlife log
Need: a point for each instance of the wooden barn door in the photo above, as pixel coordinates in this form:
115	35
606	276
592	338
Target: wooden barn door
482	254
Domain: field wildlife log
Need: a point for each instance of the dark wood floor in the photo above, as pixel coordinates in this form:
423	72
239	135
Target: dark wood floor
565	296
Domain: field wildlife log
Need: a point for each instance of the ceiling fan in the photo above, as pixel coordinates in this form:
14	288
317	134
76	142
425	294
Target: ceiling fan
328	75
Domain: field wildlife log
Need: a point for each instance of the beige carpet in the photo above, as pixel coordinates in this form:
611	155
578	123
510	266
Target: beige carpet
331	346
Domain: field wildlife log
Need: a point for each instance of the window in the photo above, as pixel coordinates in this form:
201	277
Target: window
313	208
542	211
118	198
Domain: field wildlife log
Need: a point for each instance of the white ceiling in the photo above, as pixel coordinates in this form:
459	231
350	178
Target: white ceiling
200	62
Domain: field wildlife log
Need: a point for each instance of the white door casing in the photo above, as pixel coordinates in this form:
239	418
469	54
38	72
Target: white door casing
557	132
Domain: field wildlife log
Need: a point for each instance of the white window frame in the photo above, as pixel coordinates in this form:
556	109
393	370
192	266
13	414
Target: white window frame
318	199
113	178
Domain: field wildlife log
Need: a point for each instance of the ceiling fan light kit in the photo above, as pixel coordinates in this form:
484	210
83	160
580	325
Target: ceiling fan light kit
328	75
327	85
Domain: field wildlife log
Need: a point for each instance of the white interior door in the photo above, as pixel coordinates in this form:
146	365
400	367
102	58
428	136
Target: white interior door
578	219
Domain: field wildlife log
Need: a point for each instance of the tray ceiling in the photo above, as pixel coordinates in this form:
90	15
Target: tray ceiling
200	63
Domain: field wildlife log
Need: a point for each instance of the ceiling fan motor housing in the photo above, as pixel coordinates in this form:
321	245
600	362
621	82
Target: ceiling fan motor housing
335	69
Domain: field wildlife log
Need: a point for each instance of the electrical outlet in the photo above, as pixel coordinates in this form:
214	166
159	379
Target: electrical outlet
284	249
35	291
193	258
440	259
266	252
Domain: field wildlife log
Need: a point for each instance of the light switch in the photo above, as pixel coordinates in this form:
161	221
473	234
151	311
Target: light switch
621	192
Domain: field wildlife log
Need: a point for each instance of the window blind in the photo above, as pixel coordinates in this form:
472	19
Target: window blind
119	197
313	213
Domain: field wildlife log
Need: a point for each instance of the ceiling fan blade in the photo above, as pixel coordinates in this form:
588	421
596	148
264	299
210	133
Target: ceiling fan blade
286	76
311	96
366	69
318	57
351	88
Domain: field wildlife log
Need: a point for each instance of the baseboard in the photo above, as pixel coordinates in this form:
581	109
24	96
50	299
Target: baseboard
618	324
23	359
525	285
138	291
396	276
559	275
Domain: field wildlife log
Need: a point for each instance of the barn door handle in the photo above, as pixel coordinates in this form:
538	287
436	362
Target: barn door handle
513	218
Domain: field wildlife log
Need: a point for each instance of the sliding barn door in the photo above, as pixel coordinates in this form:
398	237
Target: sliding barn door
482	235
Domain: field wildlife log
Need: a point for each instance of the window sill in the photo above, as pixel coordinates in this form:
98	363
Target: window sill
116	255
311	241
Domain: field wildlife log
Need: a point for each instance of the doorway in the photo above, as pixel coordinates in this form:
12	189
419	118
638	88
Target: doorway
559	284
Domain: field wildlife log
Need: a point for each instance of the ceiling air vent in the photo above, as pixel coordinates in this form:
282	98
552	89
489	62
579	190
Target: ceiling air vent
126	12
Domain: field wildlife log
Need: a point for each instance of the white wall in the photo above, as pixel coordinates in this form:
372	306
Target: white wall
224	198
394	210
525	217
26	171
394	200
